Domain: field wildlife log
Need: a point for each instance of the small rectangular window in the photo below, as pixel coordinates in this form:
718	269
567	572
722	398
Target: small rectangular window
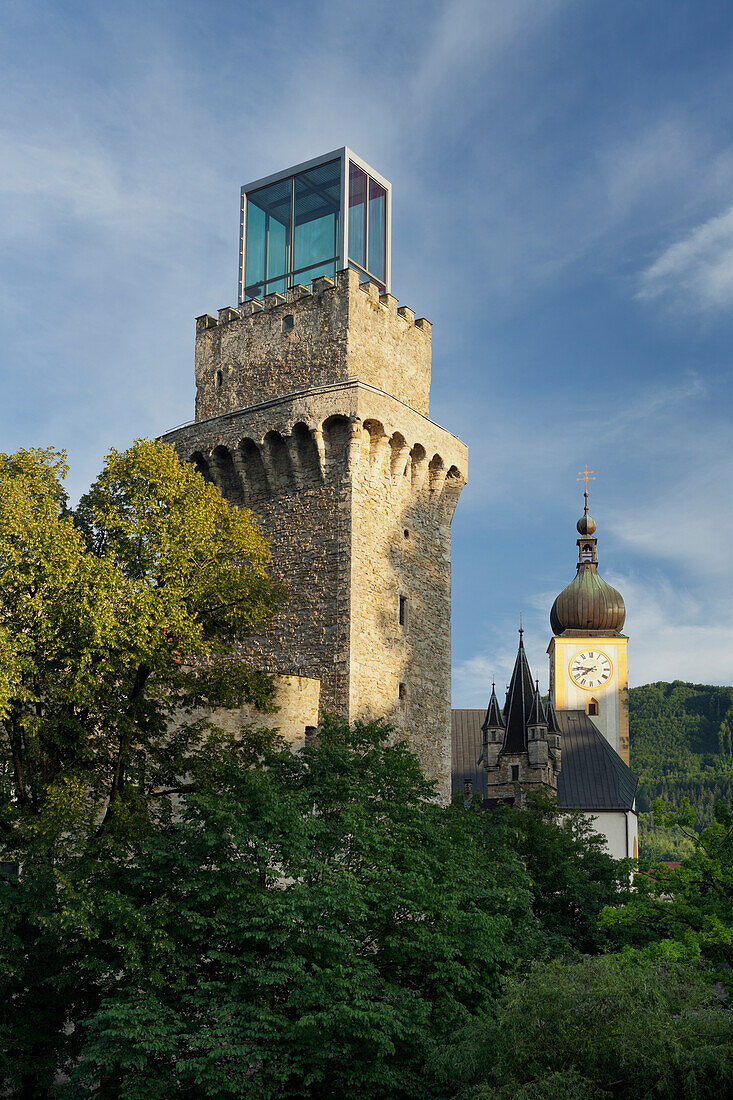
402	691
288	322
515	773
403	610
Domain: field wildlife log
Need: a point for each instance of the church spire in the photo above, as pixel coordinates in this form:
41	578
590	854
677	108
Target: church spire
518	702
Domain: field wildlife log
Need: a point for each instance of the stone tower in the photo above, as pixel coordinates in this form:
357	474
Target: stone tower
312	411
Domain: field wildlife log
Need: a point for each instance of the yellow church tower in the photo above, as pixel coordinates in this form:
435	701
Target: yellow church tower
588	669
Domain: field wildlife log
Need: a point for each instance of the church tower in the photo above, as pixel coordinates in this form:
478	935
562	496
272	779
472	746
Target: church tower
587	653
312	411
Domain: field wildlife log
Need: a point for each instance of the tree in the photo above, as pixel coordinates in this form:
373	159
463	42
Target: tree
691	905
313	925
573	877
117	622
622	1026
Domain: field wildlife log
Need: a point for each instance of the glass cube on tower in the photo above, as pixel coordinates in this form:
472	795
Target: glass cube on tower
295	226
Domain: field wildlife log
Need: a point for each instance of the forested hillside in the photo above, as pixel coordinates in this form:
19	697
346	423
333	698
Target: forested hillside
681	747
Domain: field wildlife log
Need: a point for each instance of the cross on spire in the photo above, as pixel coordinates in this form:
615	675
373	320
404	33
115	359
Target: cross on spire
586	475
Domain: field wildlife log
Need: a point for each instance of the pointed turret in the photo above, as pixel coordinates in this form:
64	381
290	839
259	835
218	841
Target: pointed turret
553	734
552	722
493	719
518	702
537	717
493	732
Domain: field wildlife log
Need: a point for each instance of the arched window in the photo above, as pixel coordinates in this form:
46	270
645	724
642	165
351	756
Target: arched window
592	708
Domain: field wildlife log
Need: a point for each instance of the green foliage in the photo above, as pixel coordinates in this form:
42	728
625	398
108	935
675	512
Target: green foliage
692	905
681	748
313	925
207	915
624	1026
573	878
116	623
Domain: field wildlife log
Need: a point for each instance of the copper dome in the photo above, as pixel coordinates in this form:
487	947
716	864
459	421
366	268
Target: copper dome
588	603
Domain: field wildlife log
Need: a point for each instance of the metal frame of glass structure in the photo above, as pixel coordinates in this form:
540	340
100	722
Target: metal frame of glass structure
315	219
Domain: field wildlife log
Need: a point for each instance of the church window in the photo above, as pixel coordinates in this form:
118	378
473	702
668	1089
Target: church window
593	708
403	610
402	691
288	322
219	379
515	773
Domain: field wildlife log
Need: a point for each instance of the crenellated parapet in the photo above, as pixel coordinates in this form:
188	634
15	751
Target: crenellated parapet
340	331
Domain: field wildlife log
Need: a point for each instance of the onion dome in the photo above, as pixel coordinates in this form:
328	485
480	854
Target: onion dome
588	602
586	525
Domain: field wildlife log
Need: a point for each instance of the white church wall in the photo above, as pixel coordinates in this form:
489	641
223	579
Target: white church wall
619	828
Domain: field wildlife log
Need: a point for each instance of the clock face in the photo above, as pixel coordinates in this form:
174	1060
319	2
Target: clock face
590	669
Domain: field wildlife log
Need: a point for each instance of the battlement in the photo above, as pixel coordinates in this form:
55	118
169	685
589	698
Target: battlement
341	330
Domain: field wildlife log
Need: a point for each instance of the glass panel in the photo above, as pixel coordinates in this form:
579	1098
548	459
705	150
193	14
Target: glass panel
357	214
317	202
377	262
255	243
365	277
276	286
306	277
274	203
253	291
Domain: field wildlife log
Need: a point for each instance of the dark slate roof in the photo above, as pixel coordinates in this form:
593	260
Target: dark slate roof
552	724
518	703
593	775
466	747
537	716
493	719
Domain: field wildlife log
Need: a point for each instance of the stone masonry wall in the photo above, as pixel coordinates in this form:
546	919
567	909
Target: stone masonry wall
404	496
335	477
340	332
297	701
531	777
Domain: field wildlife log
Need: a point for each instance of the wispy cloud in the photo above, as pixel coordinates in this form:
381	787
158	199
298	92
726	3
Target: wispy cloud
675	633
697	270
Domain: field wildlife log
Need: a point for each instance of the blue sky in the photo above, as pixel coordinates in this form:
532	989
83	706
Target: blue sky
563	212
